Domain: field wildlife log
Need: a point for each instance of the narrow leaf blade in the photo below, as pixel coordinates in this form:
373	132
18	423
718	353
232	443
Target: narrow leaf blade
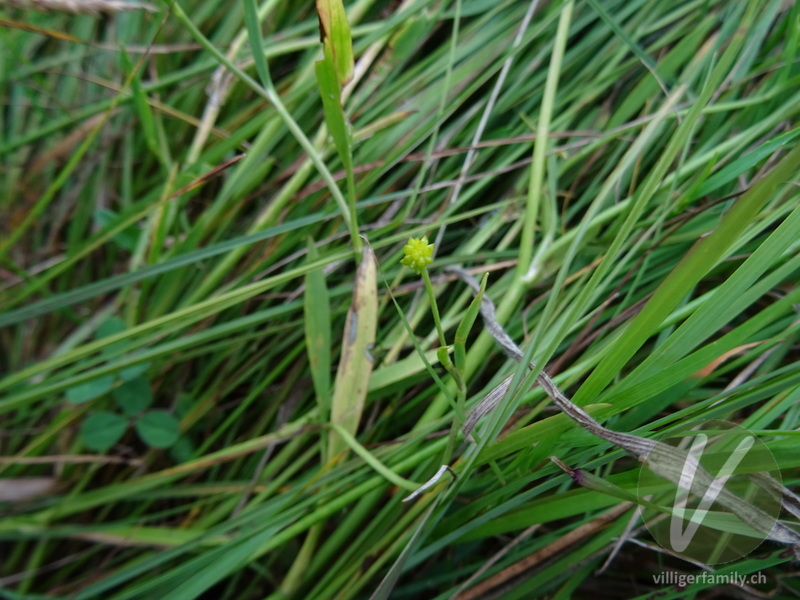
316	304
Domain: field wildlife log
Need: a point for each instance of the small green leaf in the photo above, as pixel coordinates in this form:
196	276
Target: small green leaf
133	396
158	429
90	390
101	430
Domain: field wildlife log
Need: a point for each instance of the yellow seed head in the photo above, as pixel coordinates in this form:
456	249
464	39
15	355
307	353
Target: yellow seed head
418	254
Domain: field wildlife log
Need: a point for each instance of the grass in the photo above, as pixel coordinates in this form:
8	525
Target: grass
624	171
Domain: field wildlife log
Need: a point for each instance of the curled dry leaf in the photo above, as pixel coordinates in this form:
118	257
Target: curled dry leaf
355	364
